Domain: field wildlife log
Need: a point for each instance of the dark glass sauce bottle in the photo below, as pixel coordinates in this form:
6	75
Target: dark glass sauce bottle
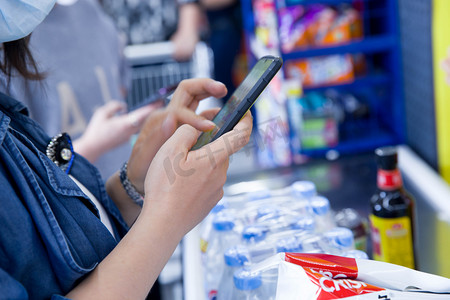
392	213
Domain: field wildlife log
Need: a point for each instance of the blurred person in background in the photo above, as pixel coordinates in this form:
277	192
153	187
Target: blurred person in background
224	37
65	234
78	48
151	21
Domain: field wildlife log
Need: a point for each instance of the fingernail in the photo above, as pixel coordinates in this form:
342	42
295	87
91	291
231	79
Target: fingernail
218	83
208	123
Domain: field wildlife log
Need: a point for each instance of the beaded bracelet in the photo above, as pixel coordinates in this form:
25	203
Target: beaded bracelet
132	192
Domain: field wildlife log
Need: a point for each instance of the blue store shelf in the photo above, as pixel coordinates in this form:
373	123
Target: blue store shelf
380	89
365	143
326	2
359	82
367	45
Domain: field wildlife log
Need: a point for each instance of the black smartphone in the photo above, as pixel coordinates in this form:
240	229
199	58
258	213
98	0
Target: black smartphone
242	99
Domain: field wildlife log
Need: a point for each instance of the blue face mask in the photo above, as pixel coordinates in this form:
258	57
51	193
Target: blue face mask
18	18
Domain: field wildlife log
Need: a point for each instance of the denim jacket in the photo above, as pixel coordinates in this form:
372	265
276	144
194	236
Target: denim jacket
51	235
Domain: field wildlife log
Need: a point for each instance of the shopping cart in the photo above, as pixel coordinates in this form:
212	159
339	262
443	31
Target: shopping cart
153	68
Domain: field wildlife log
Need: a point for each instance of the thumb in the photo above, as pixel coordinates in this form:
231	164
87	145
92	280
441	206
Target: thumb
184	138
113	107
187	116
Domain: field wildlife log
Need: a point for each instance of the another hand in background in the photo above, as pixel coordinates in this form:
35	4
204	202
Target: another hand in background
109	128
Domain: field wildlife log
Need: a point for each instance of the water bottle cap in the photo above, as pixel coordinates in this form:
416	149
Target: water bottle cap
340	236
236	256
290	244
303	189
254	233
320	205
258	195
246	281
348	217
268	211
218	208
356	254
305	223
223	222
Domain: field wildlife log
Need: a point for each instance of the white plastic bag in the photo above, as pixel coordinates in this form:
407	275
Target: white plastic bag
305	276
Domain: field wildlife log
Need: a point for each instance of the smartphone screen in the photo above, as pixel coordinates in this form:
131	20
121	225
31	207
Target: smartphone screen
242	99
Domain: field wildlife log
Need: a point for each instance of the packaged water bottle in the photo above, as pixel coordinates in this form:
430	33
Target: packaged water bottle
253	234
235	258
222	236
303	189
249	285
255	242
269	245
206	227
258	195
340	240
305	222
302	192
355	253
290	240
314	243
322	213
289	244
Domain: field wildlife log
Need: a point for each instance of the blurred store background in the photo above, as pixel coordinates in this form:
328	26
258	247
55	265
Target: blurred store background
357	75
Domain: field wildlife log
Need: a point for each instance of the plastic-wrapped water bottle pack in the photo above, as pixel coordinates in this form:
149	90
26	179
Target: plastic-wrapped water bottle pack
247	229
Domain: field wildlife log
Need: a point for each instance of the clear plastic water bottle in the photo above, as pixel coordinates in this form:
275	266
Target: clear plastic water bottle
257	246
255	285
235	258
289	244
323	216
314	243
303	189
302	192
258	195
355	253
206	226
304	222
253	234
247	286
222	236
340	240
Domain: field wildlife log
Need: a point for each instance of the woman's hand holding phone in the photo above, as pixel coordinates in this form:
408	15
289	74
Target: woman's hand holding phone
162	123
185	185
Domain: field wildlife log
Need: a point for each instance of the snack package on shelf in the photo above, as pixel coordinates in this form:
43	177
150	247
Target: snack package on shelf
311	276
323	119
317	25
266	23
293	28
314	122
317	71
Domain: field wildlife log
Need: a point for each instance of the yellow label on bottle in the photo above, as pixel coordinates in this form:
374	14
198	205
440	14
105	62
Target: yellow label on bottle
203	245
392	240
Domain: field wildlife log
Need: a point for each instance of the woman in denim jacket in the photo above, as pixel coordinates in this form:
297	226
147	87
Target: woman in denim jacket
63	233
